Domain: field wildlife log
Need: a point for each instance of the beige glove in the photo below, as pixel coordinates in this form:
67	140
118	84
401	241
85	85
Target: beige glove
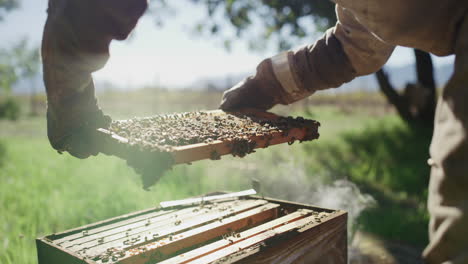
273	84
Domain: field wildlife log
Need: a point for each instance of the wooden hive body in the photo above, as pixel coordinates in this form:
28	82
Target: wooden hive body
249	229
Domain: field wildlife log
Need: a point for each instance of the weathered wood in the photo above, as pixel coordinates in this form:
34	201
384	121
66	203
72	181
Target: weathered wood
139	236
166	247
251	241
109	223
202	151
249	230
203	199
141	220
48	253
235	238
128	228
316	242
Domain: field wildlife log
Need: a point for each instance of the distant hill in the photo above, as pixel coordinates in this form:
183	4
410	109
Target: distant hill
37	83
399	76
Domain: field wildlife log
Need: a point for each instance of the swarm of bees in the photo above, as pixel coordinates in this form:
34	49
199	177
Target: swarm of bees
152	139
163	131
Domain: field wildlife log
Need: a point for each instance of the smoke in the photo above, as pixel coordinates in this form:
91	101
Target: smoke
289	181
282	177
344	195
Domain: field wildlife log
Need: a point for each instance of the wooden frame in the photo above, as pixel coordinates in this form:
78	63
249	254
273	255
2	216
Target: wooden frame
244	230
119	146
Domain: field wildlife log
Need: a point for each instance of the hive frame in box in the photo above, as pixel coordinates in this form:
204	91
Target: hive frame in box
119	146
290	242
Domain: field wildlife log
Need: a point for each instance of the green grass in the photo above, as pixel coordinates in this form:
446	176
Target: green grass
42	192
388	160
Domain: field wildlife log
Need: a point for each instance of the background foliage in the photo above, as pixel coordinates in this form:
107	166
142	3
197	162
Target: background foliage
17	63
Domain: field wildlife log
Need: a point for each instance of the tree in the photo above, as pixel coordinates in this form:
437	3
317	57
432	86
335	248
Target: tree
18	62
418	102
9	108
8	74
289	21
27	64
6	6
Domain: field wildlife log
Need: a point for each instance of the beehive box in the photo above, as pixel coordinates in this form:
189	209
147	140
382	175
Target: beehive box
246	229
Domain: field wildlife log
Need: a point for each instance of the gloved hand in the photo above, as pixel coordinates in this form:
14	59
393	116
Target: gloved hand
249	93
75	44
264	90
72	127
81	141
261	91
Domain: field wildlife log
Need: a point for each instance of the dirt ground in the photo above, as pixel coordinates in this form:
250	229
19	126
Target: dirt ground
367	248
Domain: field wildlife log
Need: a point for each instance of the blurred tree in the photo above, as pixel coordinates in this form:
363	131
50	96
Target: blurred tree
417	104
9	108
7	5
18	62
27	63
8	75
7	72
291	21
286	22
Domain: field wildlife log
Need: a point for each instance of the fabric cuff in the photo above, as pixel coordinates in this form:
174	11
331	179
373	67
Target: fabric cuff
283	69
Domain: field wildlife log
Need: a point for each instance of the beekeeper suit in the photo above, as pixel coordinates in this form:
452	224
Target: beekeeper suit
78	33
75	44
359	44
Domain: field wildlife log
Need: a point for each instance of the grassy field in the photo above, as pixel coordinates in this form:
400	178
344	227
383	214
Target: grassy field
42	192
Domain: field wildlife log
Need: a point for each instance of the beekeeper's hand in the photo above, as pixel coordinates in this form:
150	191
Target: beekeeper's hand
271	85
72	126
75	44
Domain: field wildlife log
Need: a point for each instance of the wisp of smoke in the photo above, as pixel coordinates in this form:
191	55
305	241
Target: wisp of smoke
289	181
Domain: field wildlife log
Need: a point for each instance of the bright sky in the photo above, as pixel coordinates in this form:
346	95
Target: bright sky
171	56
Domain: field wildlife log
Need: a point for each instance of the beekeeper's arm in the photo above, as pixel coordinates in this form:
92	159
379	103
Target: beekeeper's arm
75	44
346	51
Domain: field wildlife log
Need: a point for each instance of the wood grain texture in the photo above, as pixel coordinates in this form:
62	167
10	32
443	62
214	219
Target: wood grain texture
249	230
48	253
161	250
164	230
320	243
235	239
128	229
